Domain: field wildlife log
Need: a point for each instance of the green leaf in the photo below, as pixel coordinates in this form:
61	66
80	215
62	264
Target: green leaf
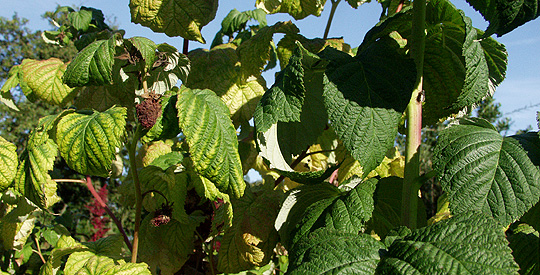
235	20
89	140
17	223
168	246
525	246
505	16
299	9
347	212
32	179
470	243
242	98
283	102
496	58
8	163
102	98
164	181
270	150
93	65
256	51
167	160
365	97
251	238
101	265
108	249
169	67
147	48
213	145
11	82
80	20
309	177
483	171
183	18
66	245
329	251
44	81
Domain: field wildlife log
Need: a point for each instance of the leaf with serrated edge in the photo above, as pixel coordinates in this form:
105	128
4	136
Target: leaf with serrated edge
8	163
525	245
213	145
251	238
44	78
93	65
147	48
365	97
481	170
11	82
299	9
183	18
88	140
469	243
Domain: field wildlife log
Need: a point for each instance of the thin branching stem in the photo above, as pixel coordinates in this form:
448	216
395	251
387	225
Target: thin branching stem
39	250
101	203
335	4
132	148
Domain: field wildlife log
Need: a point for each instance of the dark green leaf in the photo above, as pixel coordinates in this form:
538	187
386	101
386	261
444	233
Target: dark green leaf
504	16
365	97
470	243
309	177
147	48
483	171
525	246
166	126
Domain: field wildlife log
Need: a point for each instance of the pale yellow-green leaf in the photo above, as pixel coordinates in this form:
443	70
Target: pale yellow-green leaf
183	18
65	246
242	99
168	246
89	140
11	82
109	247
299	9
154	150
44	78
8	163
250	240
287	45
17	223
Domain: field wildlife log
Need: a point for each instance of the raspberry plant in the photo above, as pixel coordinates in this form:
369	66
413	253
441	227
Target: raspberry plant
336	197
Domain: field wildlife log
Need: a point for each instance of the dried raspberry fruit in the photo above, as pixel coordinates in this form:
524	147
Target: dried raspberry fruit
148	112
162	215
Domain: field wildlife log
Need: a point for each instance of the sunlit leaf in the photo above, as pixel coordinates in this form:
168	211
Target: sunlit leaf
44	80
299	9
8	163
174	17
481	170
11	82
89	140
213	145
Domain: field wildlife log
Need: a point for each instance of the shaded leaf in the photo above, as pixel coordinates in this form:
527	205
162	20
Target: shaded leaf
481	170
525	246
147	48
166	125
89	140
235	20
204	120
44	81
251	238
183	18
505	16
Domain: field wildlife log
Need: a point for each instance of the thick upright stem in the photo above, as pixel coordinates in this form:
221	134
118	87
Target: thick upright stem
132	148
414	120
335	4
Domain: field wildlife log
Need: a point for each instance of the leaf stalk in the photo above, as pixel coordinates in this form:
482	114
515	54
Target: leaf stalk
335	4
132	148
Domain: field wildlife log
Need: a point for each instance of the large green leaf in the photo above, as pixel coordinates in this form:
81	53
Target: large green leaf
89	140
283	102
456	62
470	243
169	67
210	134
93	65
147	48
101	98
17	222
44	80
235	20
251	238
299	9
329	251
32	179
168	246
8	163
83	255
347	212
183	18
365	97
11	82
505	16
525	245
101	265
481	170
166	125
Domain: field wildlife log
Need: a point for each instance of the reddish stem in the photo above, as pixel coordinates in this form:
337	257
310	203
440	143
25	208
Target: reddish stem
108	210
185	50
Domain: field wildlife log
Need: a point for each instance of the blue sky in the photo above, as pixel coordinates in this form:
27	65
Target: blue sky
520	89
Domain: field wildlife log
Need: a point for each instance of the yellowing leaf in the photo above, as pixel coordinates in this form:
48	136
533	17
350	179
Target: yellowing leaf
44	80
183	18
8	163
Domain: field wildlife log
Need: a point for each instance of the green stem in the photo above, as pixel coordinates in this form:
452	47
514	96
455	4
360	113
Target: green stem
132	148
414	120
335	4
